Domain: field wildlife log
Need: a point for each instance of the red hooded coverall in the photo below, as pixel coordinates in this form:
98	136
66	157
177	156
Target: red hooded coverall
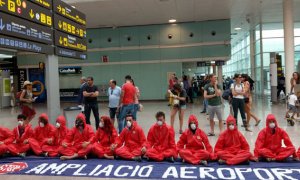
20	135
161	142
268	142
41	135
232	145
7	137
130	142
194	147
103	139
59	136
75	138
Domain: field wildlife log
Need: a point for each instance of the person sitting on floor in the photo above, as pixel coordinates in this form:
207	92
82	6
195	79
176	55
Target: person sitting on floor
268	145
130	141
21	133
160	141
61	131
43	134
106	135
6	138
79	140
193	145
231	147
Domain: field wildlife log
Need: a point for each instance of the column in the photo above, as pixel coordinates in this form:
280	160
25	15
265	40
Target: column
288	27
252	55
52	85
220	76
214	69
262	83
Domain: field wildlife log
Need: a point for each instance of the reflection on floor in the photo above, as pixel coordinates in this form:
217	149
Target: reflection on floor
261	107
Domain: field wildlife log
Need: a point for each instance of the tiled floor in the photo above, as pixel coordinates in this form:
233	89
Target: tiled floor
261	107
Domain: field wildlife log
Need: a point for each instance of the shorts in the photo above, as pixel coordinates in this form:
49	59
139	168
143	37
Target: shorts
212	110
292	108
180	106
112	113
28	111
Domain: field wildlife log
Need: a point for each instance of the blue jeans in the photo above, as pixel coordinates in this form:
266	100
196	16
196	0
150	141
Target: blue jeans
205	103
125	109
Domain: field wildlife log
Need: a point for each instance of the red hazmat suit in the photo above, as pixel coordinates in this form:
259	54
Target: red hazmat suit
105	136
6	137
194	146
21	134
130	142
42	135
269	142
59	136
232	145
161	142
75	140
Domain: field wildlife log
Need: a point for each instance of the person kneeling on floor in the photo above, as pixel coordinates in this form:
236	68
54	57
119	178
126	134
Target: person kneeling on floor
130	141
106	135
193	145
232	147
79	141
268	145
160	141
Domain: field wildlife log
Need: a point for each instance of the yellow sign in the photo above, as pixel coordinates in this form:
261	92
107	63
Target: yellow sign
66	42
19	3
60	24
60	40
59	8
11	6
31	13
43	18
49	20
2	3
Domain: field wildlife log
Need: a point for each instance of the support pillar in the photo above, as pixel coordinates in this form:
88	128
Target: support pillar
288	28
220	76
252	55
52	84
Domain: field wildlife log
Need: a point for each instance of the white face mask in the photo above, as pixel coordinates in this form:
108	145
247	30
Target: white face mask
101	124
159	123
20	123
272	125
128	124
42	124
57	125
231	127
193	126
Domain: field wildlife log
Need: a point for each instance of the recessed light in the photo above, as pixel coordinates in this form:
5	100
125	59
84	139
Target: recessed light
172	20
237	28
74	7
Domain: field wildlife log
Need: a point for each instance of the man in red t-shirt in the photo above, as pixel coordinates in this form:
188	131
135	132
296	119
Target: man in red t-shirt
126	104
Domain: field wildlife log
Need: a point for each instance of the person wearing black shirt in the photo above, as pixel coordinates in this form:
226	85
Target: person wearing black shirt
90	93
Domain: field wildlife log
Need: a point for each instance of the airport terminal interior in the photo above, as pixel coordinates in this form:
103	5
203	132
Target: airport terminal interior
53	44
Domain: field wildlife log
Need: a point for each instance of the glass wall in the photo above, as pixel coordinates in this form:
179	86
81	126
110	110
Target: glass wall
272	40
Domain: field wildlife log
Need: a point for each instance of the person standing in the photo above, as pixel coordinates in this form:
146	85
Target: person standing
27	99
238	102
136	102
126	103
90	93
80	94
13	95
114	93
212	92
294	81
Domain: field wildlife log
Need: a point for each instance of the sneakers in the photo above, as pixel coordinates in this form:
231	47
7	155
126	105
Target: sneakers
170	159
137	158
221	161
204	111
45	154
203	162
22	155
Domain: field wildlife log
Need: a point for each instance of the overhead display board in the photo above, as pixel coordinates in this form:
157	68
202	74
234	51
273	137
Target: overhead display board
70	53
27	10
19	44
17	27
69	12
68	26
69	41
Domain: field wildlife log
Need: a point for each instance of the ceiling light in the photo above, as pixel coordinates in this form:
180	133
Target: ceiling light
74	7
2	56
237	28
172	20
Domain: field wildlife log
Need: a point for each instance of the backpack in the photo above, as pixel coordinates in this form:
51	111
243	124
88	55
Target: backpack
227	94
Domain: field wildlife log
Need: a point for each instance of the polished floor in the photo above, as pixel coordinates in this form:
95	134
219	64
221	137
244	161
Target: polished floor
261	107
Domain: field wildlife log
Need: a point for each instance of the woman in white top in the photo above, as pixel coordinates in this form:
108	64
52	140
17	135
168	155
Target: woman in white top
238	102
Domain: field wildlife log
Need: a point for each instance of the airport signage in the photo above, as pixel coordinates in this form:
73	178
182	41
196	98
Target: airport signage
68	26
17	27
69	12
24	45
219	63
70	42
45	3
27	10
70	53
